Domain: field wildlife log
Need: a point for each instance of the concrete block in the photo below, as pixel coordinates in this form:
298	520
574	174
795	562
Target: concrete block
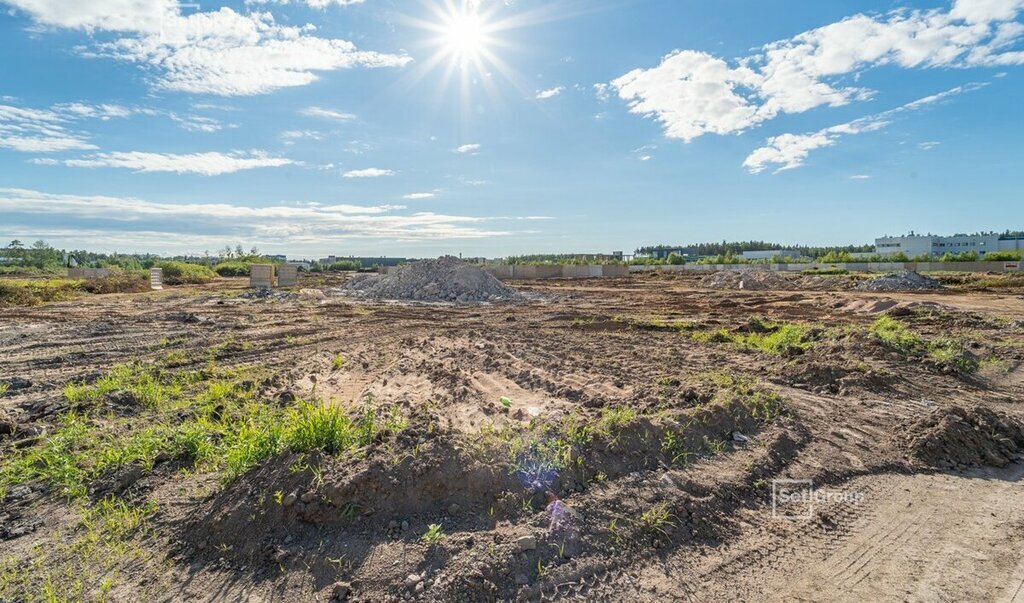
287	275
261	275
156	279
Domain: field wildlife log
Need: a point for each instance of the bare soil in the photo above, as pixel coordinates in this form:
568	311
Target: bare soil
669	445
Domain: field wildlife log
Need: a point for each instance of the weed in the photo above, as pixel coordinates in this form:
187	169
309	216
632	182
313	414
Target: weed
3	388
657	518
434	535
338	362
506	402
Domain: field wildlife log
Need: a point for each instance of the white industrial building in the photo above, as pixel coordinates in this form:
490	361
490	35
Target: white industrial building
936	246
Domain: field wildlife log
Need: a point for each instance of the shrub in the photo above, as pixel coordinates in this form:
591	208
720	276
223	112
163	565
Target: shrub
182	273
1003	256
37	291
343	266
119	282
234	268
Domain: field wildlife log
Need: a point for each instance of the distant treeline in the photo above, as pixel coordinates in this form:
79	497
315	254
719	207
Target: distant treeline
727	248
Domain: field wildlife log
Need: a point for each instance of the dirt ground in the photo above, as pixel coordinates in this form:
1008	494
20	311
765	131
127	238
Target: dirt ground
636	439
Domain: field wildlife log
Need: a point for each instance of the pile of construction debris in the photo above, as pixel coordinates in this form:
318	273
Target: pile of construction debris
900	281
446	279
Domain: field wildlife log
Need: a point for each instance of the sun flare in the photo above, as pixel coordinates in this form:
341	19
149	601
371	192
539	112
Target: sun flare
464	35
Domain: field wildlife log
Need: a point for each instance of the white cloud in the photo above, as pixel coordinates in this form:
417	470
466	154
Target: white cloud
109	15
418	196
153	224
860	177
693	93
330	114
216	52
206	164
39	131
468	149
928	145
368	173
550	93
197	123
788	151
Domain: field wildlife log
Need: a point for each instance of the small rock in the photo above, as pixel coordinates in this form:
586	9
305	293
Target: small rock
525	543
453	509
309	497
340	591
290	499
412	580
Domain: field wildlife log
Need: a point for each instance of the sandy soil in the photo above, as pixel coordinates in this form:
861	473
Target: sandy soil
860	420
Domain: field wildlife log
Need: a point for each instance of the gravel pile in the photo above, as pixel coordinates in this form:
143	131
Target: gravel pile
900	281
446	279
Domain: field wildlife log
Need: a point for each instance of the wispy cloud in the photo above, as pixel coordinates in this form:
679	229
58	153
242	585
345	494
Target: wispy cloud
419	196
156	225
468	149
789	151
330	114
205	164
368	173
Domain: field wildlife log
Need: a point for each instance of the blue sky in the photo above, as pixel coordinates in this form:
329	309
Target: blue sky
373	127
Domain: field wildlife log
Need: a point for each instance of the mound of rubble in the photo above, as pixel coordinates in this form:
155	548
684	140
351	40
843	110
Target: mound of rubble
900	281
955	438
446	279
765	280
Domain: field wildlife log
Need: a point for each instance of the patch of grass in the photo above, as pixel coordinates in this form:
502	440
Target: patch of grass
657	519
614	419
897	335
227	429
778	339
781	341
3	388
143	385
338	362
433	535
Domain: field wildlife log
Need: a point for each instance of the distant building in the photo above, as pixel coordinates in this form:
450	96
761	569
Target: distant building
661	253
936	246
770	253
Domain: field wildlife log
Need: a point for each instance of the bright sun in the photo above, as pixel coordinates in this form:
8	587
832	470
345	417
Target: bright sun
465	35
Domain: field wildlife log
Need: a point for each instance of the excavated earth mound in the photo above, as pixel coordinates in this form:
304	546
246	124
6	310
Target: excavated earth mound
900	281
762	280
956	437
446	279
